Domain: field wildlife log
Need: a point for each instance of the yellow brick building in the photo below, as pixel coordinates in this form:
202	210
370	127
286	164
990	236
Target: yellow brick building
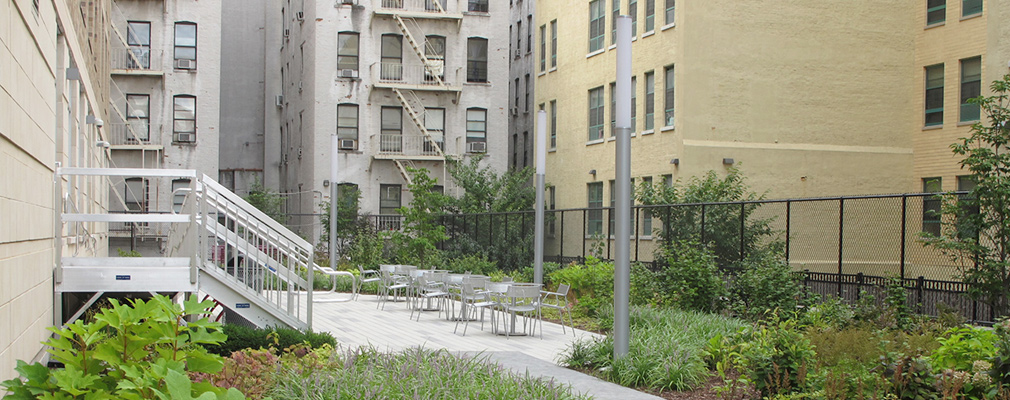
807	98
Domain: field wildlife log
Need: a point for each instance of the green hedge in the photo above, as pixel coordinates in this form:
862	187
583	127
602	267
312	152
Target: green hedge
242	337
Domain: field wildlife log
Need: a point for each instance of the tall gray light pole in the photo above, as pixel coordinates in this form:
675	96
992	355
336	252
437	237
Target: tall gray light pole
334	153
622	184
538	237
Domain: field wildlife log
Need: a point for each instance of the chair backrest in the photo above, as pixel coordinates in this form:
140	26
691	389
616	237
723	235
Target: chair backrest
477	282
387	268
524	293
506	278
563	289
362	269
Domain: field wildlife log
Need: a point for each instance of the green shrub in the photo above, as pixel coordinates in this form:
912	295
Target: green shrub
690	279
474	263
250	371
525	274
592	284
643	286
242	337
665	351
961	346
775	357
1000	371
910	378
766	283
140	350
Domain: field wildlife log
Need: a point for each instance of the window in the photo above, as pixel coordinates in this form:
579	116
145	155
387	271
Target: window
670	12
515	92
434	5
971	86
931	206
668	180
391	66
138	116
965	226
529	33
650	100
476	125
613	20
611	208
596	113
633	12
936	11
434	123
634	104
184	119
613	109
515	149
389	199
594	220
179	197
646	213
650	15
526	146
476	60
185	41
668	99
597	22
528	83
434	54
477	6
347	121
554	43
971	7
519	36
543	48
391	133
138	37
347	50
554	124
934	95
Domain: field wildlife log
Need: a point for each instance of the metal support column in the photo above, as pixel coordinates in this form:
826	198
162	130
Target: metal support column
622	179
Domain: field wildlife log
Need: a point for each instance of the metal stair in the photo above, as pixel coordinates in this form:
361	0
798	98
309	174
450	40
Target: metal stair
218	245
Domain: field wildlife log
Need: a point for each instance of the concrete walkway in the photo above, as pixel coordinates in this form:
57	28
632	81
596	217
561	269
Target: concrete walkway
359	323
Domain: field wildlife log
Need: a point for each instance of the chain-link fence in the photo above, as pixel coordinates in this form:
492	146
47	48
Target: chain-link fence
846	246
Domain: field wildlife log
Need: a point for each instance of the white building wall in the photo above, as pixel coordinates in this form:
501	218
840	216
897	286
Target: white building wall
312	110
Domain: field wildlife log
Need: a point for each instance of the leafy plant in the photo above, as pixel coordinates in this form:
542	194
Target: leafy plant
422	231
766	283
242	337
975	232
911	378
1000	361
266	200
775	357
690	279
961	346
250	371
142	350
592	284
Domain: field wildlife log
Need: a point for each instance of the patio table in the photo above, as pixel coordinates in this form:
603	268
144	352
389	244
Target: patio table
501	290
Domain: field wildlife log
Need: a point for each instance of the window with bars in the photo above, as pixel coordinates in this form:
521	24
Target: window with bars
971	86
934	95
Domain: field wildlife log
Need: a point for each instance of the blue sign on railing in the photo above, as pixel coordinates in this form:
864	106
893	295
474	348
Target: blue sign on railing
122	277
241	305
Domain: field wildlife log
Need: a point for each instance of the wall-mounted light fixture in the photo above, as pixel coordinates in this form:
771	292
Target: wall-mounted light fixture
728	161
91	119
103	144
326	183
592	172
675	161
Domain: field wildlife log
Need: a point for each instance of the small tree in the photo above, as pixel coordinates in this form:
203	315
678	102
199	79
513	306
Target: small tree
422	229
266	200
976	228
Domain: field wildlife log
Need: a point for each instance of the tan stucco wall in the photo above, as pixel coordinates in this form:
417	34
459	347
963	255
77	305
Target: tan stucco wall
802	95
38	128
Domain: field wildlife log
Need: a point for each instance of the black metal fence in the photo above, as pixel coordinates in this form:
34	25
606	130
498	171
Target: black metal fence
845	245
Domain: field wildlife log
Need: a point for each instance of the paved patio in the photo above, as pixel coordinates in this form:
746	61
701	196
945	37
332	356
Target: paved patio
359	323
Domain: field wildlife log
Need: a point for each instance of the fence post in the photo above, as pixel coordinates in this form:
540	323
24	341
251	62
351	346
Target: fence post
637	234
920	287
561	249
585	222
490	230
859	285
904	226
841	219
702	223
788	220
742	206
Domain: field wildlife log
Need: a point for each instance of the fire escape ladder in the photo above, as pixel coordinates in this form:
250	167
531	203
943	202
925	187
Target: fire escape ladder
401	165
120	20
418	121
433	68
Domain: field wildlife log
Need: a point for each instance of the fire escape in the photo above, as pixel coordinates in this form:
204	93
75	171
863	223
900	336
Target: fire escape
427	74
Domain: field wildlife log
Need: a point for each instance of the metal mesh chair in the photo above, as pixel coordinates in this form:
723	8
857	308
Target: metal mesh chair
558	301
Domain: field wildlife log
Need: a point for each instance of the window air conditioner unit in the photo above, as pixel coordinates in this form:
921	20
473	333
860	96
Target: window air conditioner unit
300	15
347	2
515	110
347	144
348	73
185	64
185	137
279	100
300	86
287	32
476	147
518	53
